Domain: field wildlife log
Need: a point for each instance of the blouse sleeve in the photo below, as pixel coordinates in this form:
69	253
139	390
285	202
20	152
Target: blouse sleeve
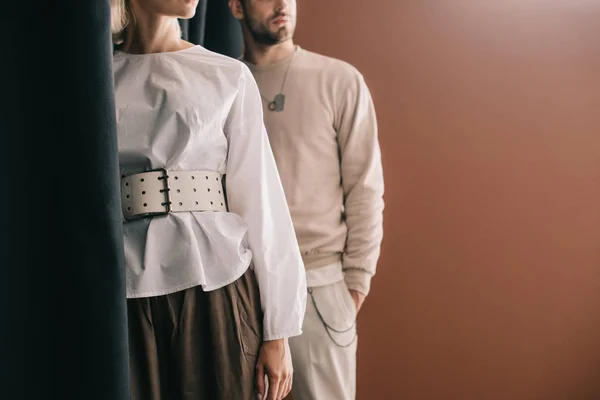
254	192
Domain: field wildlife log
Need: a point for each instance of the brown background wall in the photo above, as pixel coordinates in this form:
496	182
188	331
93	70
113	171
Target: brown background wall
489	281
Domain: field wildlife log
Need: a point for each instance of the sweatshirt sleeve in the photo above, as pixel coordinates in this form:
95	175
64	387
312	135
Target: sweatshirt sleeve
254	192
362	180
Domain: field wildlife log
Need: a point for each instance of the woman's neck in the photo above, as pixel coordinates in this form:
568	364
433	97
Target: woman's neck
153	35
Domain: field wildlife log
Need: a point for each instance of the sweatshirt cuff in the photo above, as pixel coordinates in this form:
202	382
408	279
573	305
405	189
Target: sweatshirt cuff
267	336
358	279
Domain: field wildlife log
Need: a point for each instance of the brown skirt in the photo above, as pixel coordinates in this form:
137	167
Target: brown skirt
196	345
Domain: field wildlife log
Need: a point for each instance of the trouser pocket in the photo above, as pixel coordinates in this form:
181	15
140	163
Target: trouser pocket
336	311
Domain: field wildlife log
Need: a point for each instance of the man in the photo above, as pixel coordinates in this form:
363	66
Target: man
322	128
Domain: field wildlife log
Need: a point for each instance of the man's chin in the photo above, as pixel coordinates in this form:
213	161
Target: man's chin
283	35
284	39
274	38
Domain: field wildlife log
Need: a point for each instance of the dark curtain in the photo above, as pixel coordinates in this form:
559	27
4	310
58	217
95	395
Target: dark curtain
214	27
63	332
223	33
193	29
62	298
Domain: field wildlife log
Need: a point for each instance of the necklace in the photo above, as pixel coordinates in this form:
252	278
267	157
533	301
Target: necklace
278	102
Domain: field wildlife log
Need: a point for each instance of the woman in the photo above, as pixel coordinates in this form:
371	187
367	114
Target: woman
215	282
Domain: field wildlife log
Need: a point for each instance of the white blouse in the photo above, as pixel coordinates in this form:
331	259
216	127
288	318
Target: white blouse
194	109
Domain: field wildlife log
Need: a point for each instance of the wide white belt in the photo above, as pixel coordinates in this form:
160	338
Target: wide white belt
160	192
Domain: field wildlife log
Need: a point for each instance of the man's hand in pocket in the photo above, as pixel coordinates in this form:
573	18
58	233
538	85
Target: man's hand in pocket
358	298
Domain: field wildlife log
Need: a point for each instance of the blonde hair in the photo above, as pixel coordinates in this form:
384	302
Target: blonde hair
120	15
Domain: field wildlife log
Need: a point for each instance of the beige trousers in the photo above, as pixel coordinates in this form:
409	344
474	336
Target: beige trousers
324	356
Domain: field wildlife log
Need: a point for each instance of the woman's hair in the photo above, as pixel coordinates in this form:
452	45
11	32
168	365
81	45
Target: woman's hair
120	15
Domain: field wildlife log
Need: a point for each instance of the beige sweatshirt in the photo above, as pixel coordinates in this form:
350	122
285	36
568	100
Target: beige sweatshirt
327	153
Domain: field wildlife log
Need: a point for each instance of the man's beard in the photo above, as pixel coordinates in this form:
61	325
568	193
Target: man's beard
263	36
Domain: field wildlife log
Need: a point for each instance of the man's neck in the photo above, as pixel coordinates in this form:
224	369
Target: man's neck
263	55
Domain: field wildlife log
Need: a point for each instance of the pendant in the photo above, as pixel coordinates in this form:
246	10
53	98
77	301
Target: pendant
278	103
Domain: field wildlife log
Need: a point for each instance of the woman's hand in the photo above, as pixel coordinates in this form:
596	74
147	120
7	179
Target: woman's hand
274	361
